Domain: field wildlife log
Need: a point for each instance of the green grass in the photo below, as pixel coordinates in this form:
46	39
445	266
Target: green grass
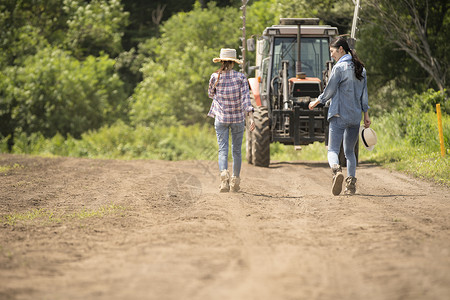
414	150
98	213
6	168
44	216
416	162
409	142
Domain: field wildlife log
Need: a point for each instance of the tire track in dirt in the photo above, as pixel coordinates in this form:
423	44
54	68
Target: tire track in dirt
399	213
283	237
277	252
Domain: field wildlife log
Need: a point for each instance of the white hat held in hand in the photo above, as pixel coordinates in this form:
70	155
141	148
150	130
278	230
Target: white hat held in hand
368	137
227	55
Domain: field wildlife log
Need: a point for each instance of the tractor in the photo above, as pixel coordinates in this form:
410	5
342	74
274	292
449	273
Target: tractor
293	65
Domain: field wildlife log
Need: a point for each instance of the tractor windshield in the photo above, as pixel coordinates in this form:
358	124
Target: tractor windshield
314	55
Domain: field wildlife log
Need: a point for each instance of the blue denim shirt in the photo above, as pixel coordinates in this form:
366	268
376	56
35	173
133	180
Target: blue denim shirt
348	94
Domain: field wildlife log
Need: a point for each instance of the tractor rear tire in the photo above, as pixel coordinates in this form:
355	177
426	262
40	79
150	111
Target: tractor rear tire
261	138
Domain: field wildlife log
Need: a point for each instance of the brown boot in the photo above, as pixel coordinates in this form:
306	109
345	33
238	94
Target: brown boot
224	181
350	185
234	183
338	178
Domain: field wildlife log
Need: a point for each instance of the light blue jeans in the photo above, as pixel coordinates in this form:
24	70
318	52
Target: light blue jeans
237	133
340	131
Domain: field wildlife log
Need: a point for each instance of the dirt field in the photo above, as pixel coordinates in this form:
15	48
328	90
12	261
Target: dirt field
105	229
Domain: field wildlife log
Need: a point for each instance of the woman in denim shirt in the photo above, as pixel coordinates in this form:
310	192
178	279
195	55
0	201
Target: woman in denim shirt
347	89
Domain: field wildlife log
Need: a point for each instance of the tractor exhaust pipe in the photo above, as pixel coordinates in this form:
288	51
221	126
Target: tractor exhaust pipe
299	23
285	65
298	63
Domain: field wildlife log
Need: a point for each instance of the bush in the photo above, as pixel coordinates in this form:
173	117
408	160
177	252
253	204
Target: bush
55	93
125	142
408	139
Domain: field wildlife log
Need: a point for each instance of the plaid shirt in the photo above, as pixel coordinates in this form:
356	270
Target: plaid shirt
231	97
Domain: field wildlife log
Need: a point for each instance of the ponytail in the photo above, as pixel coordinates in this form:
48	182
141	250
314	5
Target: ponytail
359	66
226	66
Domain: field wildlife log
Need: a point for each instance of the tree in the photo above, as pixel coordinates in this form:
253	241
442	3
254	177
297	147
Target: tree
420	28
179	64
84	27
94	27
261	14
142	26
337	13
55	93
27	26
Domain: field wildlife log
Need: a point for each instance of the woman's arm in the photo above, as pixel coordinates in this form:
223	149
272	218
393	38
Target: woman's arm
365	102
330	90
367	121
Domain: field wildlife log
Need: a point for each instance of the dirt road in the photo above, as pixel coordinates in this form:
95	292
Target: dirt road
103	229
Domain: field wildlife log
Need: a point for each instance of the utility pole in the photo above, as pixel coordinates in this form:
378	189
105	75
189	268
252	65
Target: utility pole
352	40
243	38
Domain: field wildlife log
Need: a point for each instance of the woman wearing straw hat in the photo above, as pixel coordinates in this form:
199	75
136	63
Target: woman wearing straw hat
347	87
231	102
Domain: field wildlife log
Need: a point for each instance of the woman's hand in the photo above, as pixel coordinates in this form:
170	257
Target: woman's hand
251	121
313	104
252	125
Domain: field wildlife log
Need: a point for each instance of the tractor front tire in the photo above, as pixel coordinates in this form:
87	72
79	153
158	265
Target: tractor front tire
260	146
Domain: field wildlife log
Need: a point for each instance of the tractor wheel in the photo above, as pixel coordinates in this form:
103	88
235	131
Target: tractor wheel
261	138
343	160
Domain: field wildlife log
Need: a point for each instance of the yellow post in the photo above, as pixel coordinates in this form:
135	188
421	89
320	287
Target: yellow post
441	131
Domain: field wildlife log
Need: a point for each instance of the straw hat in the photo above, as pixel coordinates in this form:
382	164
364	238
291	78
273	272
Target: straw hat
368	137
227	55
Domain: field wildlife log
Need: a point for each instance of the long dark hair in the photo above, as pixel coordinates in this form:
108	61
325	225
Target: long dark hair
226	66
340	41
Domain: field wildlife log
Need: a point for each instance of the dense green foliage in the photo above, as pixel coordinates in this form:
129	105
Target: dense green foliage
406	142
176	75
144	21
82	27
94	27
125	142
56	75
128	79
55	93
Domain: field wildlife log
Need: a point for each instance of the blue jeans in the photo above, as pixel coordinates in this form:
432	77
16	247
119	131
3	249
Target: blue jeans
340	131
237	133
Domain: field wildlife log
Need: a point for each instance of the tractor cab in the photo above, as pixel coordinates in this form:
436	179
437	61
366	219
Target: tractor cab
293	64
308	61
